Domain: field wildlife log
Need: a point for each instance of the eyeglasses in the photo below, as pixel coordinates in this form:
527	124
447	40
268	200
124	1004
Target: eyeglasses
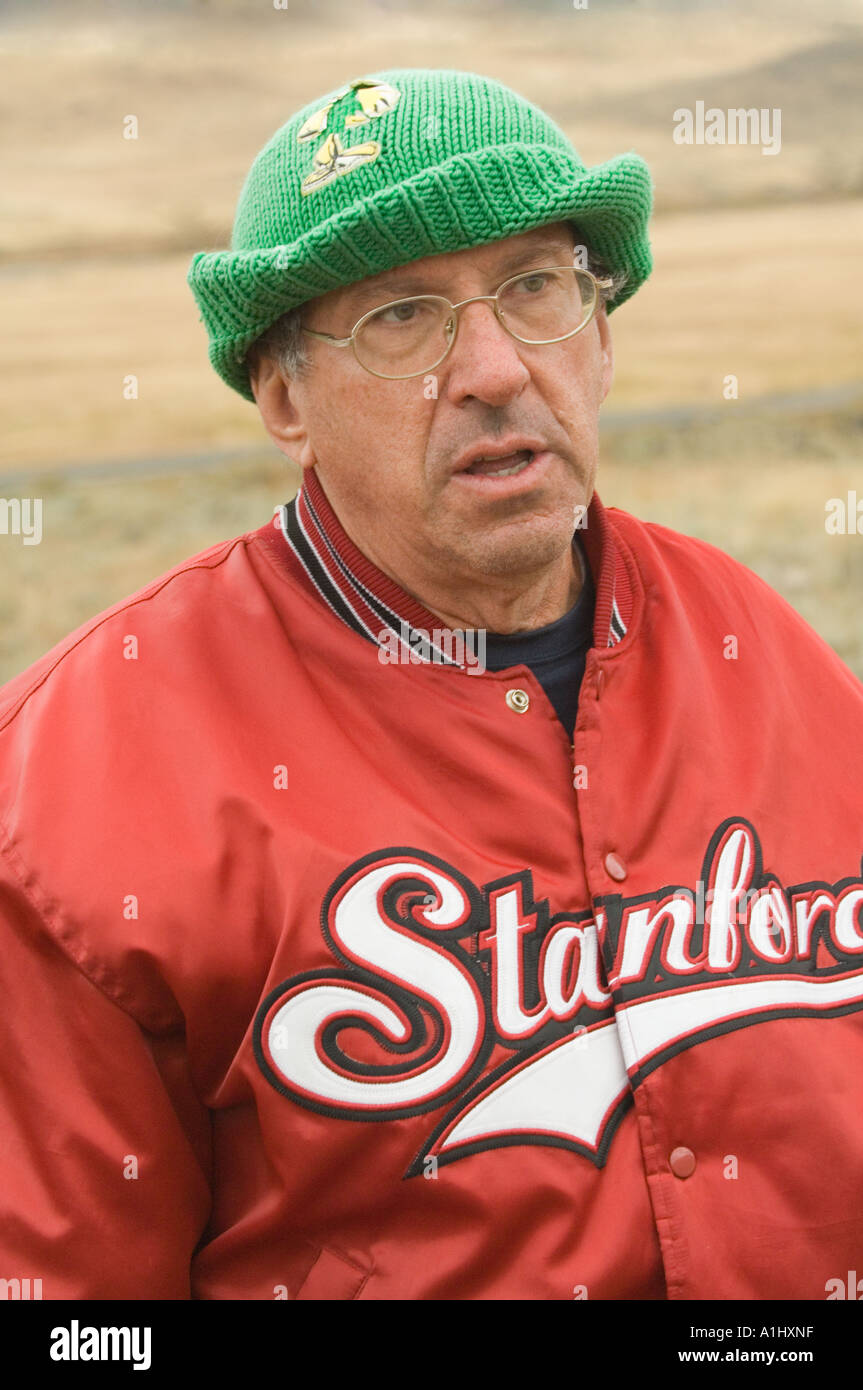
410	337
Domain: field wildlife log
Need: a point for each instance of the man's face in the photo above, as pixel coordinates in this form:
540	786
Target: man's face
390	454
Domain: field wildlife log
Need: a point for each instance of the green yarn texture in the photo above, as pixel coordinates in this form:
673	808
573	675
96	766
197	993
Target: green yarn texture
463	161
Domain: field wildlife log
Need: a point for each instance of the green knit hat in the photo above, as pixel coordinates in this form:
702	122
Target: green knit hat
393	167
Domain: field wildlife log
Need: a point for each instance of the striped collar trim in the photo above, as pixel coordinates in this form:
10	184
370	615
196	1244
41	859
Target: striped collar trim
379	610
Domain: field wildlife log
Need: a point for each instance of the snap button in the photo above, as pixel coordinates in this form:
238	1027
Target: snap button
615	867
682	1162
518	700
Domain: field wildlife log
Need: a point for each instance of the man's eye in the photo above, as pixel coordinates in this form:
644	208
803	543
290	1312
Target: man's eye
533	284
406	312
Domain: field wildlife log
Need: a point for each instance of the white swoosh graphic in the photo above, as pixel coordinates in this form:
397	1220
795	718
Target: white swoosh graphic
571	1089
567	1091
649	1025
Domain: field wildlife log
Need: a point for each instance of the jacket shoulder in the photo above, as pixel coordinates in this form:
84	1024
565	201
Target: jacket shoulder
177	592
708	582
685	555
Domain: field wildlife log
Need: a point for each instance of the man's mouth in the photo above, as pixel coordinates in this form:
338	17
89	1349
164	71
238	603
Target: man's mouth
505	467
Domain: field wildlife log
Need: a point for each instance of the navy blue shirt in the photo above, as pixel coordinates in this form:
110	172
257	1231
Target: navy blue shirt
556	654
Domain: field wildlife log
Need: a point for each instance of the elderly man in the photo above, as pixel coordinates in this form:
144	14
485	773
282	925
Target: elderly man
451	889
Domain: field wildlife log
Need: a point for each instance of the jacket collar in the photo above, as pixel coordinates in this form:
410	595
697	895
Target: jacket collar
375	607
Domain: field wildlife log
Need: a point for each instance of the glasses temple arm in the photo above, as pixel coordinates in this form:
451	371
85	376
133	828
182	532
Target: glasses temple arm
327	337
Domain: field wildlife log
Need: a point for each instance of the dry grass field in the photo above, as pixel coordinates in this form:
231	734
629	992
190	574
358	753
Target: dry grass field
757	268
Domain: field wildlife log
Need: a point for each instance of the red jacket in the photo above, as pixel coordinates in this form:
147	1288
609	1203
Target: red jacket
328	976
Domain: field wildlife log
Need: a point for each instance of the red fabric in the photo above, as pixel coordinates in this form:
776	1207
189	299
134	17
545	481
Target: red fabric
167	906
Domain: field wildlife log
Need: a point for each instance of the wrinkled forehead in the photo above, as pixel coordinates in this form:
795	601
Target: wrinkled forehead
492	263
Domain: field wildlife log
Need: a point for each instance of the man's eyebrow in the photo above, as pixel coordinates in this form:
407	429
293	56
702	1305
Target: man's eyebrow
391	287
382	290
547	252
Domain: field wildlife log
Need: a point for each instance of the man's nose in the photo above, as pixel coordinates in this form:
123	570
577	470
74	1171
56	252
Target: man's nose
484	360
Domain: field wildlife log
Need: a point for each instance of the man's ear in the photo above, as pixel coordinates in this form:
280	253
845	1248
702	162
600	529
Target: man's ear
275	396
607	350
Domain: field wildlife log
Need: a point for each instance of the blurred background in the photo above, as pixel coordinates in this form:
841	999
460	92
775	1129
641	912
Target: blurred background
757	271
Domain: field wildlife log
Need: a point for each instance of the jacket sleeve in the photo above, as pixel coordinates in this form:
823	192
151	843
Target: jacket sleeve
103	1144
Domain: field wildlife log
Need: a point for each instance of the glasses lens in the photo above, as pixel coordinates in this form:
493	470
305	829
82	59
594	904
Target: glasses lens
546	304
406	338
